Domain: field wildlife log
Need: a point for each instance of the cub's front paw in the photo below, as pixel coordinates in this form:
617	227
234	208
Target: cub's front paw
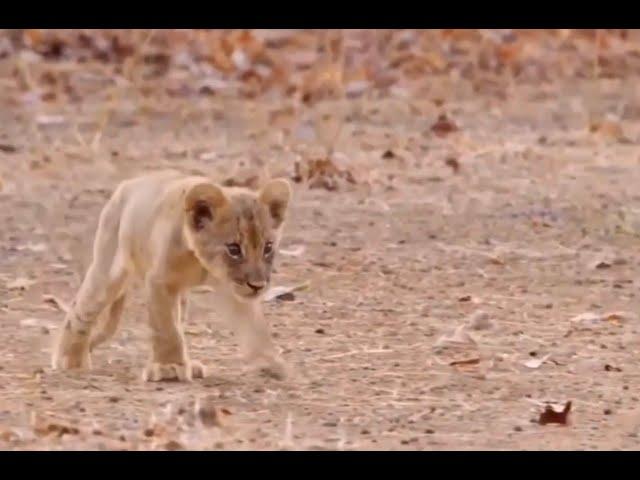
71	353
182	372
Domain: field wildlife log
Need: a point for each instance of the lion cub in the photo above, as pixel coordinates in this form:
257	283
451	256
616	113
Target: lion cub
177	232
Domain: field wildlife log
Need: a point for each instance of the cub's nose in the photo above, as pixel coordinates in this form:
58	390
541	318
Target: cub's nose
256	286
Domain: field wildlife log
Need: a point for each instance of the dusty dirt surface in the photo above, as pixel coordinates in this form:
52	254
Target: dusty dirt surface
520	223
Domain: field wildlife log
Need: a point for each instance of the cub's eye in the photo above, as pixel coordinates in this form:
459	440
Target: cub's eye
268	248
234	250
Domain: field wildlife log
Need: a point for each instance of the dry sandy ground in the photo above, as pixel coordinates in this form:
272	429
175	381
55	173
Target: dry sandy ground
536	227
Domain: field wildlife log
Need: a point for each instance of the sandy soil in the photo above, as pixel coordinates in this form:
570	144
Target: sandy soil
523	214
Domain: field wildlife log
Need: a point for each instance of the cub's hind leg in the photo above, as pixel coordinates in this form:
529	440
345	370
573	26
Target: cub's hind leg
102	285
97	292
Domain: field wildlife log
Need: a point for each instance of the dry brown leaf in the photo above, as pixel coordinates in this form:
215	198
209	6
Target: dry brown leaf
6	148
618	317
44	427
590	319
32	37
249	181
470	361
453	163
321	173
212	415
443	126
551	416
220	51
174	445
608	128
436	61
9	436
56	302
284	293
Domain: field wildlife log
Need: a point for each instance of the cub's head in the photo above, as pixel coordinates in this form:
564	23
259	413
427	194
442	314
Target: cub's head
235	232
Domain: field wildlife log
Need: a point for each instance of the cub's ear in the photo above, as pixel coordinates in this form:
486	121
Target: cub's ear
276	195
201	203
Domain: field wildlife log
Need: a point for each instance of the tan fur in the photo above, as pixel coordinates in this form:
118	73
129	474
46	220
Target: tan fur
174	232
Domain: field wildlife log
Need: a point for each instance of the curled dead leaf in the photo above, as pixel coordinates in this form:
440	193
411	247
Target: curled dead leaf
495	260
249	181
9	436
443	126
6	148
453	163
45	427
551	416
284	293
56	302
322	173
174	445
618	317
601	265
609	129
590	319
212	415
469	361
